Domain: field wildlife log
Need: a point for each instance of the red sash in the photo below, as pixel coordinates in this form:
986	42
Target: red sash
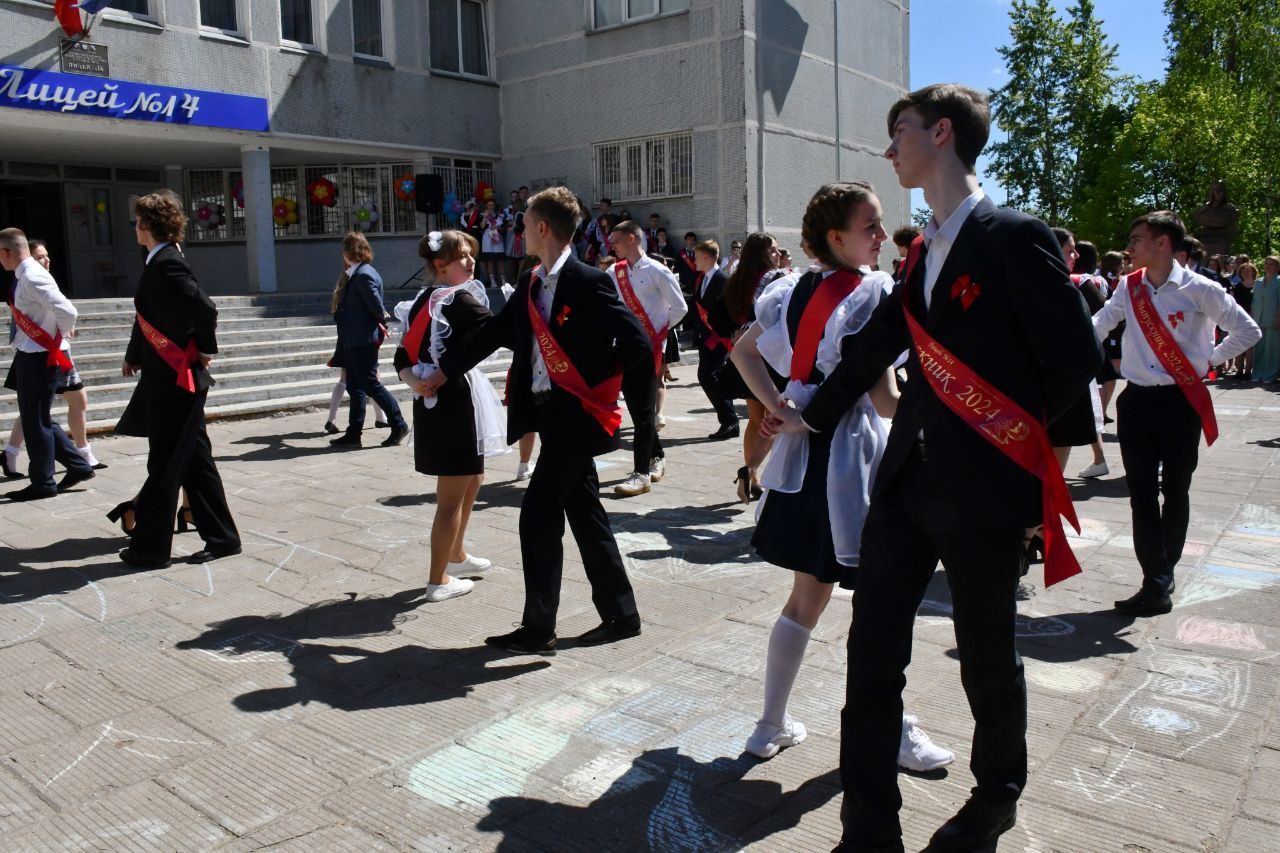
687	257
601	401
712	340
1006	425
658	338
830	292
411	340
176	357
50	343
1175	361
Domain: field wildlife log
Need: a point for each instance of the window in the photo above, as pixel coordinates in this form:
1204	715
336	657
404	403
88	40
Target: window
219	15
645	168
138	8
295	22
366	19
458	43
611	13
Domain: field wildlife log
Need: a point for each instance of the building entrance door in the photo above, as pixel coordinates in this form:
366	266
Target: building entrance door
92	240
35	207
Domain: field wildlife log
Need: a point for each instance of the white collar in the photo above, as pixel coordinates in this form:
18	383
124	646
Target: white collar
949	229
1177	276
644	261
20	271
544	273
351	270
152	253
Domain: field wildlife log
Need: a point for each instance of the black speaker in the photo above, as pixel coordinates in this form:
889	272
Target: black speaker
429	193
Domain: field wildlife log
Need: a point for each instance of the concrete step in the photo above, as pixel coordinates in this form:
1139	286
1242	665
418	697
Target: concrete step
303	339
105	368
121	331
262	333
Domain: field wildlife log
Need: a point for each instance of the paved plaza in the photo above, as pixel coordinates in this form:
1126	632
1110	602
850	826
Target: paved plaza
303	697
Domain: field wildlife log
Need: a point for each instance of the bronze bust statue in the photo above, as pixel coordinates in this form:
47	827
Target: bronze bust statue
1217	221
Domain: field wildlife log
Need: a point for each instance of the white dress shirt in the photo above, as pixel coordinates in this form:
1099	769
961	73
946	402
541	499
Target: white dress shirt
36	294
1195	304
658	290
543	300
940	238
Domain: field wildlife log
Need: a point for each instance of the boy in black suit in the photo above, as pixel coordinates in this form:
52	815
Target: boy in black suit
989	285
571	338
712	332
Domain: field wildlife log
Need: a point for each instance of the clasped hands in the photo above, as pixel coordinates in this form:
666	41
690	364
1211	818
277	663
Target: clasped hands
785	418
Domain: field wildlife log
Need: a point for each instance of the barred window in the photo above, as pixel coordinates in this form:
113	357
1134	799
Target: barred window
207	201
645	168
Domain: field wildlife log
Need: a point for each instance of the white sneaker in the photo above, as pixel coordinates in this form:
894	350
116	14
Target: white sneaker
767	739
524	470
454	588
661	422
471	567
657	470
636	484
916	752
1097	469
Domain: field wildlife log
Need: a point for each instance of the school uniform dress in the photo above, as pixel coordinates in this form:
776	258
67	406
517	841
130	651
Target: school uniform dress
454	431
818	485
179	454
1158	428
492	242
1078	426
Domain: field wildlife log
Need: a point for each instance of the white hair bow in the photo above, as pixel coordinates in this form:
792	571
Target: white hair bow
434	241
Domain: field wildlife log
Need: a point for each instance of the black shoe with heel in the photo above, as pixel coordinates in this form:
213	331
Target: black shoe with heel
743	481
118	513
186	519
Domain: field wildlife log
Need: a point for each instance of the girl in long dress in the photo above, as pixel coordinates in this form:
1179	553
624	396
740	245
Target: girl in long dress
818	486
1266	313
455	429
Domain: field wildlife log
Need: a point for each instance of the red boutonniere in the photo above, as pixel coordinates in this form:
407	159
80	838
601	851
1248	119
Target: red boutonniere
563	316
965	290
1175	319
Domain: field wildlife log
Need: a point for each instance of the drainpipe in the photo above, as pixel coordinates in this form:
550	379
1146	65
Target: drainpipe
835	33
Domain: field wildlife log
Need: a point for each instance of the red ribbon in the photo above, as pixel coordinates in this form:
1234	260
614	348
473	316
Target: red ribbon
657	338
687	257
830	293
1006	426
173	355
600	401
1175	361
50	343
713	340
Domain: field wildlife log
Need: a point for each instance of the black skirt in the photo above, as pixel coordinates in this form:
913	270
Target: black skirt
444	436
794	530
671	355
1075	427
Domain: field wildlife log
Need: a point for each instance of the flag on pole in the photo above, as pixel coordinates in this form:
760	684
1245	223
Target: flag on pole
68	15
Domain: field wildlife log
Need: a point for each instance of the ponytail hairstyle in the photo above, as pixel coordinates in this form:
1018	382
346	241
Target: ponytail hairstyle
445	247
831	209
740	292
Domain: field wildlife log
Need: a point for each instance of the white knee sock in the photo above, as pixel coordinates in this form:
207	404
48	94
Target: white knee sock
12	453
335	399
87	453
787	643
382	416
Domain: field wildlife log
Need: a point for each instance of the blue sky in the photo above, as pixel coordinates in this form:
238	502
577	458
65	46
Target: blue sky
1136	27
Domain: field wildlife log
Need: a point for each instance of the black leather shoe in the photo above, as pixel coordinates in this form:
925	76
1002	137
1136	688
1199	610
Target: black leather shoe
397	435
524	641
9	473
137	560
351	439
206	555
381	424
331	428
725	433
610	631
1146	603
75	478
32	493
975	827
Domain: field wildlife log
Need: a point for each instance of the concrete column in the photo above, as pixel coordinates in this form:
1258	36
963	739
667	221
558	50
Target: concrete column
260	239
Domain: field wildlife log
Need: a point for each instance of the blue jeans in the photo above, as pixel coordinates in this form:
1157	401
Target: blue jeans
362	382
46	441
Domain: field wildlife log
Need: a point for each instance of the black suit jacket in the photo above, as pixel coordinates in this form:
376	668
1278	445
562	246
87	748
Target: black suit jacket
712	299
171	299
599	334
1027	332
686	270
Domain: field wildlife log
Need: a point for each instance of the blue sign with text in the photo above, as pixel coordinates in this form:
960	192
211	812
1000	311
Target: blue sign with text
75	94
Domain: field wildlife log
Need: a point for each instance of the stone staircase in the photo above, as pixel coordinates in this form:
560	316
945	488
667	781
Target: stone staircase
272	355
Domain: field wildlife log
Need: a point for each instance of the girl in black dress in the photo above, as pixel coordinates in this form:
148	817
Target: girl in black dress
1078	426
455	429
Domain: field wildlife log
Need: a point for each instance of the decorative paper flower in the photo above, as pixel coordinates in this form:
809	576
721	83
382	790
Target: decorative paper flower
322	191
406	188
101	207
563	316
209	216
452	207
434	241
484	192
284	211
366	216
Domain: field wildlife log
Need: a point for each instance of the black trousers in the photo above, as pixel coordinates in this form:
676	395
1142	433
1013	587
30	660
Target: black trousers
179	456
1159	443
640	390
900	551
709	361
363	382
565	486
46	440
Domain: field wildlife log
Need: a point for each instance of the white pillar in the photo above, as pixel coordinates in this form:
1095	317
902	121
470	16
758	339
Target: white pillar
260	238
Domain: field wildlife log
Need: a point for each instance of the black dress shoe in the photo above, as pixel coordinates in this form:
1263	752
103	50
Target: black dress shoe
331	428
726	432
137	560
380	424
978	823
398	433
9	473
1146	603
205	555
99	466
610	631
75	478
524	641
32	493
351	439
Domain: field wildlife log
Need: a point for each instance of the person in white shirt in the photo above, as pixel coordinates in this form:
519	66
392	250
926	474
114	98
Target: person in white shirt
729	263
1158	426
45	319
657	290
